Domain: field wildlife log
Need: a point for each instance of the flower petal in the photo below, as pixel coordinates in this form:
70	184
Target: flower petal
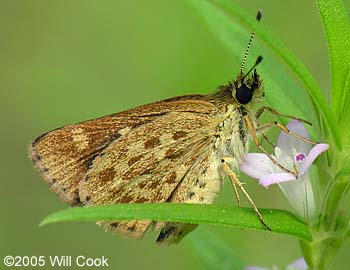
313	154
255	268
288	142
298	264
275	178
256	165
300	195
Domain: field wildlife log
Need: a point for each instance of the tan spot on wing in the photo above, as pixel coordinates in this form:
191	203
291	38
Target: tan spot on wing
124	131
80	138
166	137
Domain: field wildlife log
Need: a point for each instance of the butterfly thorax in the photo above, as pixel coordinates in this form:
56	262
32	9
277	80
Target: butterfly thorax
232	135
236	100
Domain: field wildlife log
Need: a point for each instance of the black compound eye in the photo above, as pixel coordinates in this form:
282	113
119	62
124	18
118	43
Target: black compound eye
244	94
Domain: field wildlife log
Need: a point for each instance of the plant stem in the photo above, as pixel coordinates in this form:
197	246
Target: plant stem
320	252
330	231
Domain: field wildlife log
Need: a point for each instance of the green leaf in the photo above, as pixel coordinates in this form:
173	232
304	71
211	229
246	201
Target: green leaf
335	208
345	115
279	221
235	38
225	18
337	28
212	251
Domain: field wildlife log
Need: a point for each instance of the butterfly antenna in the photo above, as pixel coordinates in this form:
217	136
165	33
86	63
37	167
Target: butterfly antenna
257	62
258	18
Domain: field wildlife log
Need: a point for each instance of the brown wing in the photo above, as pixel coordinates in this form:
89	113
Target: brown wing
147	164
200	185
63	156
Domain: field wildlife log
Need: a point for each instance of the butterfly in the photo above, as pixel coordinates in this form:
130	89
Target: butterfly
177	150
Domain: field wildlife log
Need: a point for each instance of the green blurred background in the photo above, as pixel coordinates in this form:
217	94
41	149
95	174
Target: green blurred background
67	61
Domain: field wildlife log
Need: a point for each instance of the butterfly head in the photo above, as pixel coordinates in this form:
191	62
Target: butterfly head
248	88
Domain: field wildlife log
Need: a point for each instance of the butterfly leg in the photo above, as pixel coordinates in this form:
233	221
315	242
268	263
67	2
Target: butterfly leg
273	111
236	193
257	143
284	129
236	182
264	137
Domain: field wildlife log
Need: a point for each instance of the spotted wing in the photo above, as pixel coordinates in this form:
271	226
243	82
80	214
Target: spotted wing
63	156
148	164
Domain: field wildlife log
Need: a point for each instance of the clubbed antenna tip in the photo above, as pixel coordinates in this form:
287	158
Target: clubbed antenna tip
258	60
259	15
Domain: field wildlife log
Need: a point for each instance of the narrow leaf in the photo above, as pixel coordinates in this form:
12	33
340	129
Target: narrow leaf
212	251
282	93
245	218
232	13
344	116
337	28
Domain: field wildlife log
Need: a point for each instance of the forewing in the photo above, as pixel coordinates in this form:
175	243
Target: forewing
63	156
147	164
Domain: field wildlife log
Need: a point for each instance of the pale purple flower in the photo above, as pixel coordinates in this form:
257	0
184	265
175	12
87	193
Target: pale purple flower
298	264
289	152
252	267
261	268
